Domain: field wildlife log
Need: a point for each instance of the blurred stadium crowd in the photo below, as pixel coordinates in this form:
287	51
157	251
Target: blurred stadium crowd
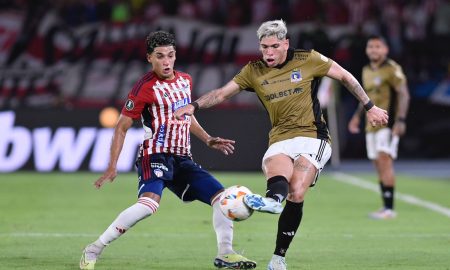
52	53
418	31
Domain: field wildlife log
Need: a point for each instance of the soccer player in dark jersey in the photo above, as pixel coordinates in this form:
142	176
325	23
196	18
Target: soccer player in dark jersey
386	85
165	158
286	81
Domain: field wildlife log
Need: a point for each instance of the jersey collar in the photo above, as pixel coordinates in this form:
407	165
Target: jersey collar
289	57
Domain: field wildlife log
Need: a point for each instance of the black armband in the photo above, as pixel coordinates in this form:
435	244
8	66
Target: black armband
368	105
195	104
401	119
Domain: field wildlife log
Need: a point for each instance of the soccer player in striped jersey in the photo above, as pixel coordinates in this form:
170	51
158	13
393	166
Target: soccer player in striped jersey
164	157
386	85
286	81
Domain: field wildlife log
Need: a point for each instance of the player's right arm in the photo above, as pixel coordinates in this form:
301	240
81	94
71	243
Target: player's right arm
120	131
375	115
209	99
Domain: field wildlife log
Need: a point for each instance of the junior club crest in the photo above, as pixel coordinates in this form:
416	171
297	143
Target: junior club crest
158	172
296	76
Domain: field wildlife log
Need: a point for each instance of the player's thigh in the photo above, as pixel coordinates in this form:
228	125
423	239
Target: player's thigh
386	143
154	172
381	141
307	168
191	182
371	146
279	164
276	160
304	175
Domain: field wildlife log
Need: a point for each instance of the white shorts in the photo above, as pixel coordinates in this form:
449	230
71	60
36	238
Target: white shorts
381	141
316	151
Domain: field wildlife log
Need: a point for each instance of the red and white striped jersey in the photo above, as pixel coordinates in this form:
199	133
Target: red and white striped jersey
154	101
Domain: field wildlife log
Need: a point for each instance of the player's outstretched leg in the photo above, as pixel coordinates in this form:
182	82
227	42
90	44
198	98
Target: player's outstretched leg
126	219
277	263
227	258
234	261
263	204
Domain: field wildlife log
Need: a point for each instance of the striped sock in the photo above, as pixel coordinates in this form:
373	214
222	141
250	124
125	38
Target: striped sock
130	216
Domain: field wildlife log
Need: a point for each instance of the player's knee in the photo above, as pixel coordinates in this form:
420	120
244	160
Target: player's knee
296	196
150	205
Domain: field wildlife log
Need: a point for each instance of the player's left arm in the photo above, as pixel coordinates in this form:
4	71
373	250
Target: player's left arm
226	146
403	98
375	115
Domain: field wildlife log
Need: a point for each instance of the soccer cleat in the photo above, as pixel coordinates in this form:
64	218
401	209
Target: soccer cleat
233	261
383	214
263	204
277	263
89	257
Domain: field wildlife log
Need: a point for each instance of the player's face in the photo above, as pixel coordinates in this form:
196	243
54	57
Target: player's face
376	50
274	51
163	59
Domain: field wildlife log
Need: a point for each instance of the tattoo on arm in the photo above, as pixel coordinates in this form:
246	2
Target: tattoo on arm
355	88
210	99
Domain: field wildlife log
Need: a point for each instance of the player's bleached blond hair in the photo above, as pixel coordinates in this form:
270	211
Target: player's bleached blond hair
272	28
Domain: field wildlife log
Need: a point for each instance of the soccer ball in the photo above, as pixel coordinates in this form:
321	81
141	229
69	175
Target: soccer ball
232	204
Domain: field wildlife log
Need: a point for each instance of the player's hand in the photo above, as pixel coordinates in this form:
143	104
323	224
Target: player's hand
353	125
186	110
399	128
108	176
224	145
377	117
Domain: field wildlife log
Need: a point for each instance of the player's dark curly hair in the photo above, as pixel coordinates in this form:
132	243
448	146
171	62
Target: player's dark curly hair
379	37
159	38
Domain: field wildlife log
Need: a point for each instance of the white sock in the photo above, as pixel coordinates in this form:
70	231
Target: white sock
224	230
130	216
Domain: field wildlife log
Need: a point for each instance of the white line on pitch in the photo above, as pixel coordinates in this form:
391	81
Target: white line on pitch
359	182
56	235
262	235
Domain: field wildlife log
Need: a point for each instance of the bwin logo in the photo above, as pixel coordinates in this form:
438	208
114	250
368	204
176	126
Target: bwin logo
292	233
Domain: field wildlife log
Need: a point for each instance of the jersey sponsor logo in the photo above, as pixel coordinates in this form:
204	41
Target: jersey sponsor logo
161	135
158	172
180	103
296	76
180	122
283	93
266	82
129	105
161	166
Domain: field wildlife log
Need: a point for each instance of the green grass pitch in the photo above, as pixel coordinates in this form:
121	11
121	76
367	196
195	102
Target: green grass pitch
47	219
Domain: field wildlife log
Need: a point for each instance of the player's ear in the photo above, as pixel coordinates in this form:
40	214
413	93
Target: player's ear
149	57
